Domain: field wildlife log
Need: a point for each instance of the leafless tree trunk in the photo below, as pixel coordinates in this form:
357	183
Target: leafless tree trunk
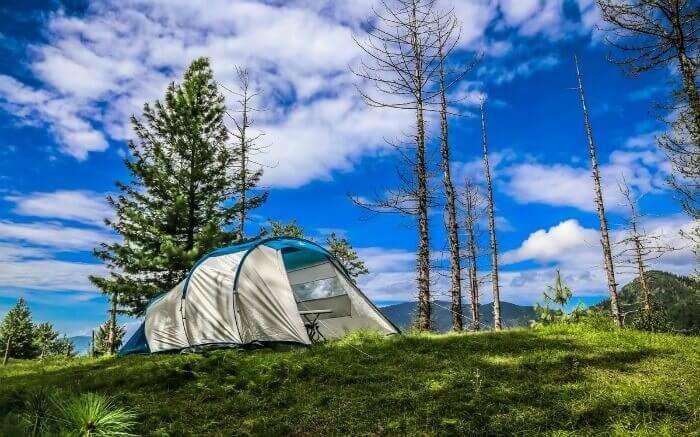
446	43
112	326
638	248
402	48
7	350
653	34
492	223
247	172
598	192
471	203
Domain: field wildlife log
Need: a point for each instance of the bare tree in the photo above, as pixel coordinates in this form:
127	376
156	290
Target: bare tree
403	62
447	27
653	34
492	222
246	171
472	205
598	193
638	248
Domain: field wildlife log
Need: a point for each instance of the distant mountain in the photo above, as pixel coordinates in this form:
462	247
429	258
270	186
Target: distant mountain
403	314
81	343
679	295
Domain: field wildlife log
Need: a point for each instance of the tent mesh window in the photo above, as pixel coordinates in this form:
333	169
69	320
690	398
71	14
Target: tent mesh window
315	283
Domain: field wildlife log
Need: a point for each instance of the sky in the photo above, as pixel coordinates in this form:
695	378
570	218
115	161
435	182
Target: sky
75	72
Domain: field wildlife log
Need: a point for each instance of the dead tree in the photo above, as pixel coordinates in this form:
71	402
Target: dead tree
471	218
403	62
638	248
447	27
492	223
246	171
653	34
598	195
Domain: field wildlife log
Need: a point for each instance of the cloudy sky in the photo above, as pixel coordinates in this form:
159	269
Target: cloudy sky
74	73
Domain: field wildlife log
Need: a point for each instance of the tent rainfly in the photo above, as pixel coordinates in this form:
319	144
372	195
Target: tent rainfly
257	292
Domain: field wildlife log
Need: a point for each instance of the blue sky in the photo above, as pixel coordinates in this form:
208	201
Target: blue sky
74	73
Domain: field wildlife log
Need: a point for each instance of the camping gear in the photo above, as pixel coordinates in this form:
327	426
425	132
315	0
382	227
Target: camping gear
265	291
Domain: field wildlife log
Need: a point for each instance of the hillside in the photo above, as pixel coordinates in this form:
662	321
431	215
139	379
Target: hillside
568	380
679	295
403	314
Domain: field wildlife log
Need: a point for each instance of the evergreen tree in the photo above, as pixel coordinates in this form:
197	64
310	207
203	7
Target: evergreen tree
291	229
63	347
102	337
339	247
176	207
16	332
344	252
45	338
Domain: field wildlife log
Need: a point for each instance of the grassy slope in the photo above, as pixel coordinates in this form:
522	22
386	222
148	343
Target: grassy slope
557	380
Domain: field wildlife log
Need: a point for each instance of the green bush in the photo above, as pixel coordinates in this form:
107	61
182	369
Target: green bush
654	320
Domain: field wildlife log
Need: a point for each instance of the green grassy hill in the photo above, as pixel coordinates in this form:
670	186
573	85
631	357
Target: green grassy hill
563	380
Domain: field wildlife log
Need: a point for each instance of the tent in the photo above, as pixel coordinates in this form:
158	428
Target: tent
257	292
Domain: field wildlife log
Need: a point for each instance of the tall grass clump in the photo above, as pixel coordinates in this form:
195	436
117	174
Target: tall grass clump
92	414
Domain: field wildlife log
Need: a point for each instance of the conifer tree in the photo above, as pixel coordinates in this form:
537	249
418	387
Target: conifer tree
103	345
343	251
291	229
176	207
16	332
45	338
339	247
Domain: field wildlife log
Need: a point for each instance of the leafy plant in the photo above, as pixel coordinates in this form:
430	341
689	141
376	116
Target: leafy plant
92	414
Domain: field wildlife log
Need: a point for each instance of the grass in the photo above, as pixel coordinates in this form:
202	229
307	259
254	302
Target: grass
562	380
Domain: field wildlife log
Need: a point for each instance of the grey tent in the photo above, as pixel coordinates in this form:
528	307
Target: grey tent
257	292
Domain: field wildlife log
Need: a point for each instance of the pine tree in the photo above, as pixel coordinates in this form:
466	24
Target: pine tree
291	229
339	247
177	205
343	251
16	332
45	338
102	338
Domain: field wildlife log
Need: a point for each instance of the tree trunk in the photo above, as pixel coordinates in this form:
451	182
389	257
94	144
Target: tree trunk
492	225
450	209
424	310
598	191
7	350
688	73
112	326
471	256
244	167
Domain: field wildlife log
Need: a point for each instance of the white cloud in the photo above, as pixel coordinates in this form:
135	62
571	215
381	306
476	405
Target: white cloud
568	238
52	235
502	73
81	206
576	250
49	274
298	51
641	164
